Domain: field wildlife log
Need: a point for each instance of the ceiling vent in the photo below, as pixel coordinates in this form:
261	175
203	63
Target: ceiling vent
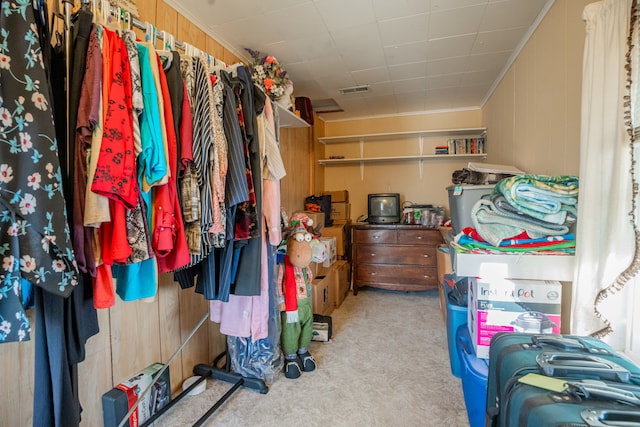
354	89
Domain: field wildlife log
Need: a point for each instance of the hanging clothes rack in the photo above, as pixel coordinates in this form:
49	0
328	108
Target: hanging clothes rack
205	371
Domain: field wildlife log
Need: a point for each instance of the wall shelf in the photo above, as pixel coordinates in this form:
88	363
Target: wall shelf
478	132
433	157
418	136
288	119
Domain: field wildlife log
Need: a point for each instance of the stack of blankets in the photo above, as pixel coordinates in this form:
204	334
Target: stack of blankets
524	213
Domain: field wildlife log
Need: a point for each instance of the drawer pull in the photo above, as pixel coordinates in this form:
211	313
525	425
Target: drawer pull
372	274
426	276
372	254
426	256
419	237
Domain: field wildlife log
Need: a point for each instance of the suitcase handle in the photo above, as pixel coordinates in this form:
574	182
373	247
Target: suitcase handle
566	343
577	365
610	417
588	389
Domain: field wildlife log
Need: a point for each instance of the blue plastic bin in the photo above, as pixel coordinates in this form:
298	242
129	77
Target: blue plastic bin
456	316
474	378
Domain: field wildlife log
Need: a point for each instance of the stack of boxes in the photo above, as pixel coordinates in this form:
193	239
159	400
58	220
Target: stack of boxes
332	277
506	293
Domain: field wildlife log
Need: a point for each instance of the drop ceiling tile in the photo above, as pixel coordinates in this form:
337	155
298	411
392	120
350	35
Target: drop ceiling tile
217	13
338	14
408	70
450	65
455	21
516	13
489	61
322	68
364	59
304	49
409	85
403	30
444	81
478	78
385	9
380	89
412	52
450	47
498	41
439	99
440	5
355	39
297	20
258	33
371	75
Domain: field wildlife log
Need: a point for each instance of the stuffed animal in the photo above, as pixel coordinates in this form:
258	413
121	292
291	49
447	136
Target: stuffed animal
294	278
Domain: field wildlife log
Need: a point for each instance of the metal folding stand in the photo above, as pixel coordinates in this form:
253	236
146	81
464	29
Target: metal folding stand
204	371
213	371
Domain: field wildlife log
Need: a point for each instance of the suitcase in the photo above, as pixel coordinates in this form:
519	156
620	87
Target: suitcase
514	354
583	403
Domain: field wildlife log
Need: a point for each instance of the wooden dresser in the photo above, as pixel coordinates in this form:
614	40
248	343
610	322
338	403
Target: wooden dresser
397	257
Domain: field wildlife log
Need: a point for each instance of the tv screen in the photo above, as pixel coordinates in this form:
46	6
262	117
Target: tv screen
384	208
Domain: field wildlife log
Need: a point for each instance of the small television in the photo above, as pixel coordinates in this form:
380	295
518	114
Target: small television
384	208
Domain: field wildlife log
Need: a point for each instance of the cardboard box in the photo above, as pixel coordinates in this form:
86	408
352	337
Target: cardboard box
337	195
318	269
331	249
322	299
341	269
503	305
120	399
339	231
340	211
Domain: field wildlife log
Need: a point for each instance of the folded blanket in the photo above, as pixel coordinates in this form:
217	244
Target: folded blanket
567	246
495	226
502	205
548	198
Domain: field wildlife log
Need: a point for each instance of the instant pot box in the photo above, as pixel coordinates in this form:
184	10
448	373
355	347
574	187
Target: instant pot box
504	305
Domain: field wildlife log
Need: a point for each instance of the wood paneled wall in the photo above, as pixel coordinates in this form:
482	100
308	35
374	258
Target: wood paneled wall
135	334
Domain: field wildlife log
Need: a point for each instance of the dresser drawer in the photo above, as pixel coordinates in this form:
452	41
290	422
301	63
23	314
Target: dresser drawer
375	236
397	255
419	237
397	275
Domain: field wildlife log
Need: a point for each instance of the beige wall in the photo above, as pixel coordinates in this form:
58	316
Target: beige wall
533	117
532	121
417	182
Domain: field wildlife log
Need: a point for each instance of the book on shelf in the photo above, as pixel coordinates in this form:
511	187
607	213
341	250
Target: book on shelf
466	145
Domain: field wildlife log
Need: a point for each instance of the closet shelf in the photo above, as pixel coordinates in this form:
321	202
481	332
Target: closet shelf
479	132
433	157
288	119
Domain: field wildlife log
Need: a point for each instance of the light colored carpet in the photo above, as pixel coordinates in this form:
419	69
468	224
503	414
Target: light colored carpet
388	365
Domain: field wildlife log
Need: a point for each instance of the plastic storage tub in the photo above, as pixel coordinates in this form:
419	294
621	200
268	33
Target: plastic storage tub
456	316
461	201
474	378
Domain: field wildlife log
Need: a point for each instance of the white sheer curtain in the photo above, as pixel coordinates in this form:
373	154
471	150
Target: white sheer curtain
605	235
